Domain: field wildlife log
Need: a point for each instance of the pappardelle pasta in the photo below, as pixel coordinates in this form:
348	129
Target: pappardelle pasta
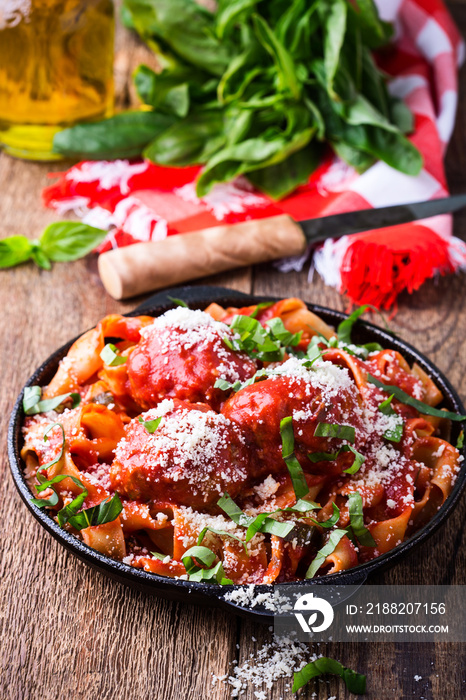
252	445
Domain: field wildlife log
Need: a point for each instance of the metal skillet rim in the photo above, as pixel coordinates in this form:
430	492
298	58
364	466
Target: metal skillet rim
208	594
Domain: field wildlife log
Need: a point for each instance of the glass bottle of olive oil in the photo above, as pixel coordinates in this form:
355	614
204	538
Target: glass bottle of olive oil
56	69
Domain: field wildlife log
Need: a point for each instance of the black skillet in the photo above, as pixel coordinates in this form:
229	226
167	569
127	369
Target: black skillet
208	594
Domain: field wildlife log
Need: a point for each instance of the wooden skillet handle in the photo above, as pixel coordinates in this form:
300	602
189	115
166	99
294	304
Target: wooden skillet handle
143	267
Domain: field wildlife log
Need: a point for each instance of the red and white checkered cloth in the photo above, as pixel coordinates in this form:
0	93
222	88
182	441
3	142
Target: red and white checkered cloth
141	201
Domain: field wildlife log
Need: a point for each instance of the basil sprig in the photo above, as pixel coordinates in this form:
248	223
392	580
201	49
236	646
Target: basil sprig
222	533
150	425
111	356
266	344
415	403
355	682
60	242
396	433
295	470
32	403
256	89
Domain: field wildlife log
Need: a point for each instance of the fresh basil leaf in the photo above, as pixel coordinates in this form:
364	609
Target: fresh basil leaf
295	470
334	430
70	240
335	28
355	682
110	356
123	136
191	140
357	520
166	91
150	425
15	250
322	554
185	27
32	403
251	154
286	71
415	403
230	12
281	179
178	302
105	512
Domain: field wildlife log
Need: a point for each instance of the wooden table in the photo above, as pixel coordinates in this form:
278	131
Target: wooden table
67	631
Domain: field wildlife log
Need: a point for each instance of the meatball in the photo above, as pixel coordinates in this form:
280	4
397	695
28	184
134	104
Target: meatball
181	355
191	459
323	394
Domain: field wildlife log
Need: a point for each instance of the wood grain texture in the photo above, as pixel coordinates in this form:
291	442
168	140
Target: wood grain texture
66	630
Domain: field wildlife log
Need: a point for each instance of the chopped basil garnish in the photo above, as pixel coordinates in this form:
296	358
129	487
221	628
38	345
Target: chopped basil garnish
359	460
222	533
53	500
394	434
60	454
206	557
333	430
355	682
178	302
263	522
32	403
415	403
159	556
111	357
226	386
150	425
294	468
259	307
345	328
323	553
357	520
105	512
334	518
266	344
460	441
322	456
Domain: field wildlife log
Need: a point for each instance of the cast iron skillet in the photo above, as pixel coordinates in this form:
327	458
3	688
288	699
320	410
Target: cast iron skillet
208	594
